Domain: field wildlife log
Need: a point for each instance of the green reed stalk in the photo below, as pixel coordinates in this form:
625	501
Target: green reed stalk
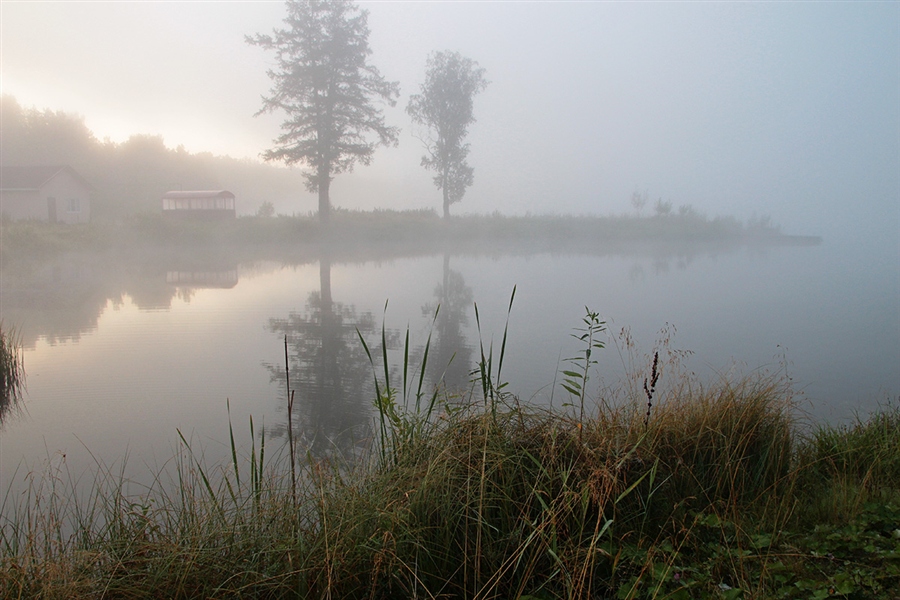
379	398
492	392
290	421
575	382
434	394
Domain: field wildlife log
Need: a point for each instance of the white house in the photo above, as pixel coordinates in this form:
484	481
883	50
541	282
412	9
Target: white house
56	194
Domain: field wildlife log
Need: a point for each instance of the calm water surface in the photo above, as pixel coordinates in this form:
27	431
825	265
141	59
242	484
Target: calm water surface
121	358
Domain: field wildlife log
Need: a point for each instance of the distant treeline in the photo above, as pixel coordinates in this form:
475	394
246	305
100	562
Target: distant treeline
130	177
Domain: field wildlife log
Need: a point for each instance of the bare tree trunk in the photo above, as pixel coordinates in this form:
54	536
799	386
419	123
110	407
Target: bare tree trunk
446	178
324	200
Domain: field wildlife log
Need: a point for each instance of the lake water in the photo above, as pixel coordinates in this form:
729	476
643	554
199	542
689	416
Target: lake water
123	354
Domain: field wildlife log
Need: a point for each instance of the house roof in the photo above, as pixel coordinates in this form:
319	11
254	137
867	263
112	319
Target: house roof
197	194
34	177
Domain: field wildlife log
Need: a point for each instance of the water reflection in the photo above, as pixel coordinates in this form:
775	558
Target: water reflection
451	360
58	299
62	298
224	279
330	373
150	373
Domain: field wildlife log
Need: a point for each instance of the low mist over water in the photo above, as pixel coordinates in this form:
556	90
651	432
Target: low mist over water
121	354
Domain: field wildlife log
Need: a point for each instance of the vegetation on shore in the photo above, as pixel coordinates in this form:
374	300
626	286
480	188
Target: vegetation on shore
130	178
676	490
419	230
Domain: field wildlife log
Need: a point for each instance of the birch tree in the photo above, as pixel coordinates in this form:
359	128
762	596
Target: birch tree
445	107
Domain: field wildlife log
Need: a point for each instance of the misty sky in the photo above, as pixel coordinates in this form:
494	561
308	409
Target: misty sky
785	109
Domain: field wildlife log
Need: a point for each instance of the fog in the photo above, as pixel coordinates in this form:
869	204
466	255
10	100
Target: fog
783	109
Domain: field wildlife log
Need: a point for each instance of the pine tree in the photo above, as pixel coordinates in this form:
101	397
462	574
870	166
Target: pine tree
324	83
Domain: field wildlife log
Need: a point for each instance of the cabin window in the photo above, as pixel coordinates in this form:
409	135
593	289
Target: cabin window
74	205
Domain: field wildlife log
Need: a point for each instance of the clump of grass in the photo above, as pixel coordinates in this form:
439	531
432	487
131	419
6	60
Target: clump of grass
731	442
848	465
487	505
499	500
12	370
197	531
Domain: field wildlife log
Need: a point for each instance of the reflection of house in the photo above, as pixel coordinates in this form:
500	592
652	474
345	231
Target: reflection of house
203	279
44	193
213	204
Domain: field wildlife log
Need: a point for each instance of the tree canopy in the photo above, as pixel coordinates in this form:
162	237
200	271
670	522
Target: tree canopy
445	108
327	88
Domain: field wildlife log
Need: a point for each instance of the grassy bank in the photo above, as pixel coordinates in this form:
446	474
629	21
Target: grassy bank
691	491
352	231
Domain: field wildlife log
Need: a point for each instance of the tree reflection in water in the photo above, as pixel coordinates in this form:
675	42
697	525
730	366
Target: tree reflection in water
452	356
330	374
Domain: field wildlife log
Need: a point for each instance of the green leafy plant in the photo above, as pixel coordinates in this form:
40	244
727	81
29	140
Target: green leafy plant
576	379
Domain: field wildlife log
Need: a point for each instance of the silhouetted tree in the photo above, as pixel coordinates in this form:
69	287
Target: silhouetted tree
639	201
445	108
326	86
662	208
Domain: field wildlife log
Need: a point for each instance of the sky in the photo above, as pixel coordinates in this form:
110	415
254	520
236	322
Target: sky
785	109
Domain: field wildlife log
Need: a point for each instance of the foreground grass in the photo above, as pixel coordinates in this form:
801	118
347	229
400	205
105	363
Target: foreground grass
719	493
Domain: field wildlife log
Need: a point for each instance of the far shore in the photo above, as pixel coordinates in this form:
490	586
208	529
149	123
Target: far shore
354	234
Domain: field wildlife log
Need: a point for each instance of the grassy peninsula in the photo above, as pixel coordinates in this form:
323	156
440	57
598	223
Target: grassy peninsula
387	232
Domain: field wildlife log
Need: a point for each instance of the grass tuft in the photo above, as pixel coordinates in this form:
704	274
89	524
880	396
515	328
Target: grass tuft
12	370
